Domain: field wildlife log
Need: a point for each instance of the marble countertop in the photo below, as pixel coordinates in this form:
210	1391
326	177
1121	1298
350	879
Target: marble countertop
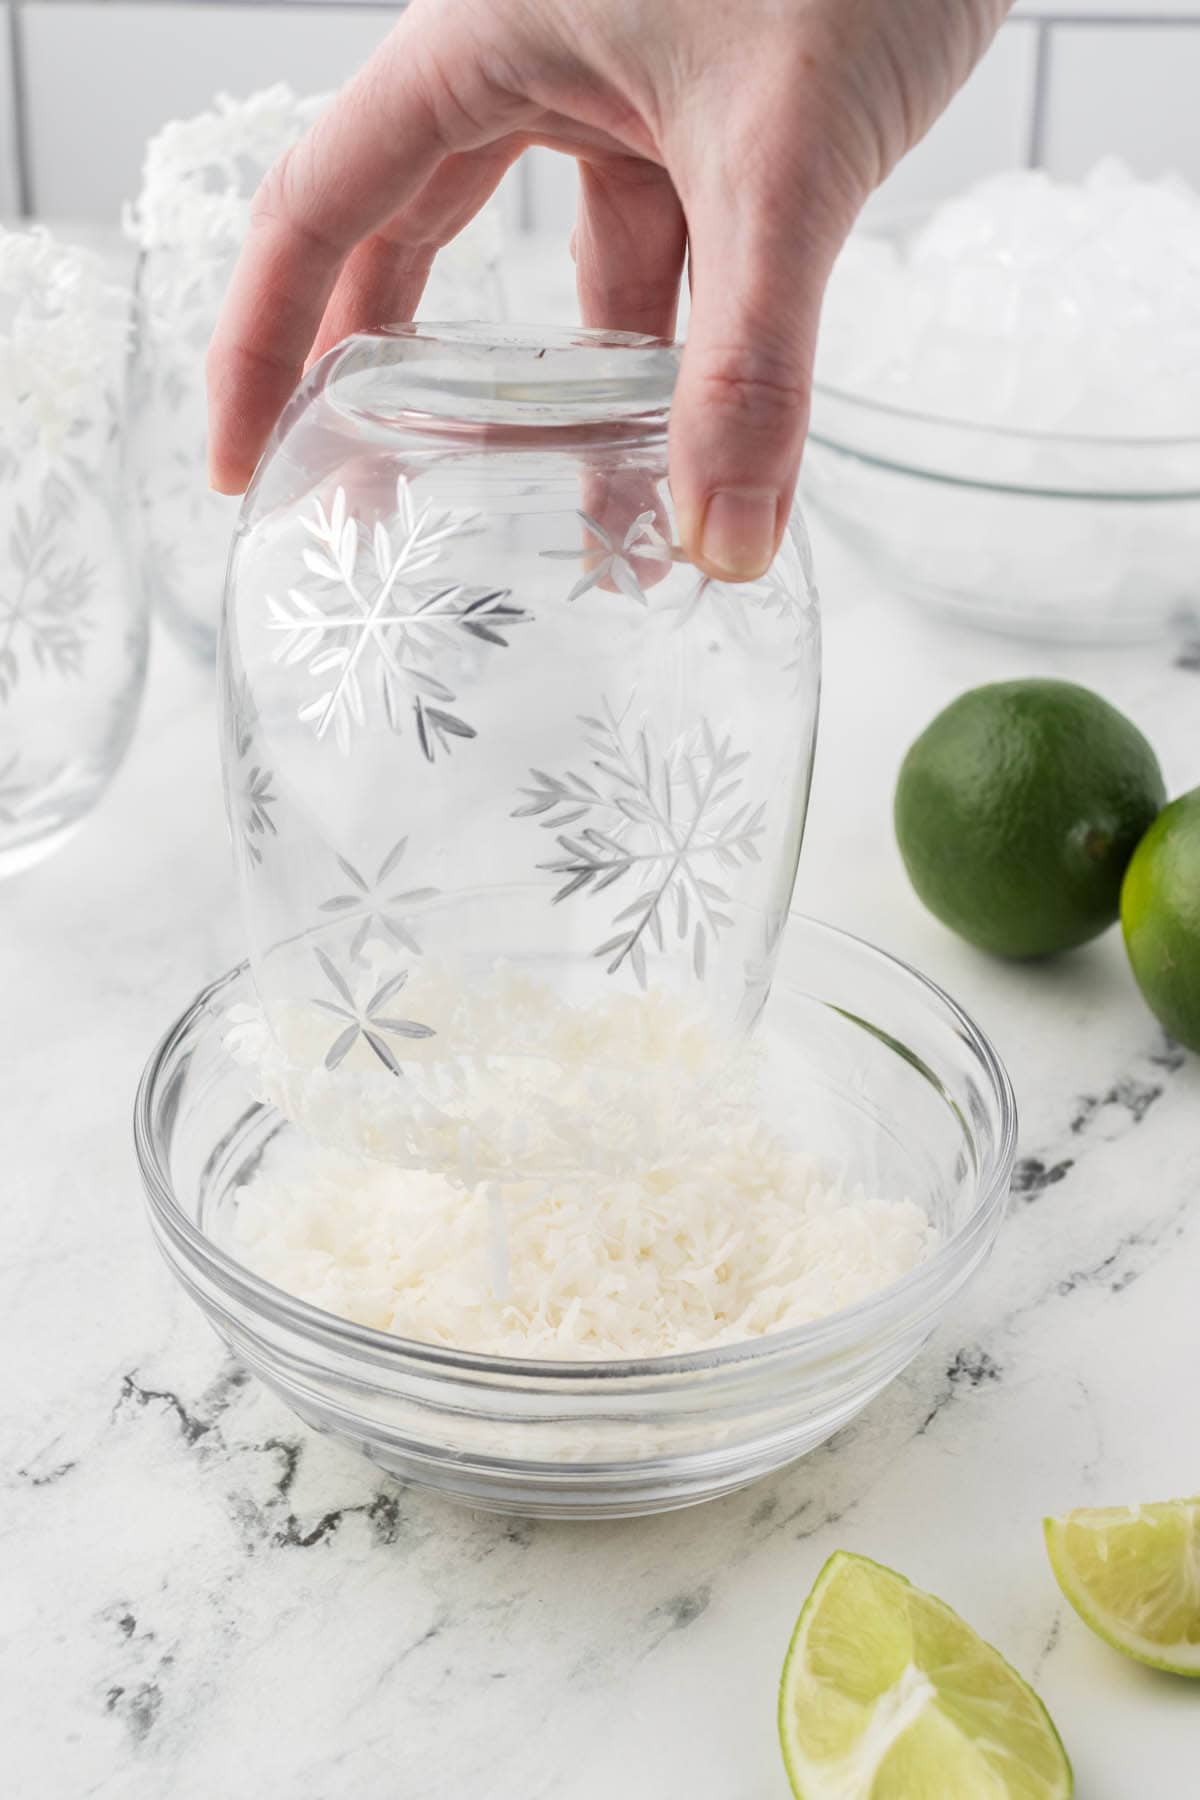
201	1598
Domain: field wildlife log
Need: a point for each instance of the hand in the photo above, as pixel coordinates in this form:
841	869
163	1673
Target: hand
744	134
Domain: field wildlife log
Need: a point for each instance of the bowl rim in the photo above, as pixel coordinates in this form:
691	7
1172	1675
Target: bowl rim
909	1297
986	428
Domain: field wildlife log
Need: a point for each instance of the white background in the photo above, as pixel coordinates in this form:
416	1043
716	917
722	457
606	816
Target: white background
91	79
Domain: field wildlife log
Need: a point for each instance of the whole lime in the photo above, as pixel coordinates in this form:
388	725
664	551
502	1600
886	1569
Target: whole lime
1017	811
1160	916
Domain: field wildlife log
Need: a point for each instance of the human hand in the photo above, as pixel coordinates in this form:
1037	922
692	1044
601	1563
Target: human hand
744	134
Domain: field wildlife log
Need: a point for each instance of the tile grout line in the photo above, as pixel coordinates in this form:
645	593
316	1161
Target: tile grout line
1035	149
1187	20
525	195
20	111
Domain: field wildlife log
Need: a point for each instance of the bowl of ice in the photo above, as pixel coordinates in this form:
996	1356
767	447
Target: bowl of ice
1006	416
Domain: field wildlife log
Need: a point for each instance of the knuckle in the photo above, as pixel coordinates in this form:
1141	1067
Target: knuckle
758	386
289	195
275	197
231	359
452	93
401	254
626	296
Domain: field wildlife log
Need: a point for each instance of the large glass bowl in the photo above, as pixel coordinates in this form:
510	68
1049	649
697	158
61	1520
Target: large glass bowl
1049	529
1082	539
891	1082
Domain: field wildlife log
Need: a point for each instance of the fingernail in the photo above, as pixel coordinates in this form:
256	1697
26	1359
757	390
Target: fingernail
738	538
221	481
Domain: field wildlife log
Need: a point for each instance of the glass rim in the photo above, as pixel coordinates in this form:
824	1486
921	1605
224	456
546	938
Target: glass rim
909	1298
522	378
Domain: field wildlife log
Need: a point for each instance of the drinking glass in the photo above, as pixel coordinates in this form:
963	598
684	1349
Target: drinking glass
481	716
72	614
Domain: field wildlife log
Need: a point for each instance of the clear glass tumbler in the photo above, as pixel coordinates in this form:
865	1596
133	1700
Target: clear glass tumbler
481	716
72	616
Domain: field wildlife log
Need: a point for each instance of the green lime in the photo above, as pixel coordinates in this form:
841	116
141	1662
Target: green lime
1160	916
1017	811
1133	1574
888	1695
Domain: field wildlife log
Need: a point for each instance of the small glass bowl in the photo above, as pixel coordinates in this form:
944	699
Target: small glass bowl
1047	535
891	1082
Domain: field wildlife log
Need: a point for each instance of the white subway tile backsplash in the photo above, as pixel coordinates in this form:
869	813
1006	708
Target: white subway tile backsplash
550	187
1134	93
102	78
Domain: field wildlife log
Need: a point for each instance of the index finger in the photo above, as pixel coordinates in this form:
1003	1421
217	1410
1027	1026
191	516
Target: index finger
373	149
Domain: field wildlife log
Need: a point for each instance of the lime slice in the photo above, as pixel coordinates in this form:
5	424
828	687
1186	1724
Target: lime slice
888	1695
1133	1574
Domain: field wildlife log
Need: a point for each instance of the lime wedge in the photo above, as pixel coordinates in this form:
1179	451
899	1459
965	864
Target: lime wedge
888	1695
1133	1574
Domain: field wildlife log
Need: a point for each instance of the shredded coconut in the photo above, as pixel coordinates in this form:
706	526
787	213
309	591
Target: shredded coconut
64	331
640	1201
693	1255
200	174
510	1081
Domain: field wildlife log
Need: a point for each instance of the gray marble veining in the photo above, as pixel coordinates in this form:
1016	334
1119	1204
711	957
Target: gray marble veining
201	1598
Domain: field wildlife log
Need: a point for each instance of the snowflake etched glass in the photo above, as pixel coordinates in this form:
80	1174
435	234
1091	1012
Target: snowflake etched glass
480	714
191	216
72	623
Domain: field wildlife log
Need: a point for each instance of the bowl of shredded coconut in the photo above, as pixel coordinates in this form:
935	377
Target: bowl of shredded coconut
1006	415
609	1266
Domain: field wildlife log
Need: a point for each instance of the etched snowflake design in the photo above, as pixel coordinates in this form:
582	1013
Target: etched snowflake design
376	908
43	615
669	819
367	1020
44	798
389	624
18	798
606	560
728	605
252	799
787	605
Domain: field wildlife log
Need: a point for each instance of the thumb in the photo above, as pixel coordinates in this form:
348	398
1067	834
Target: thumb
759	265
